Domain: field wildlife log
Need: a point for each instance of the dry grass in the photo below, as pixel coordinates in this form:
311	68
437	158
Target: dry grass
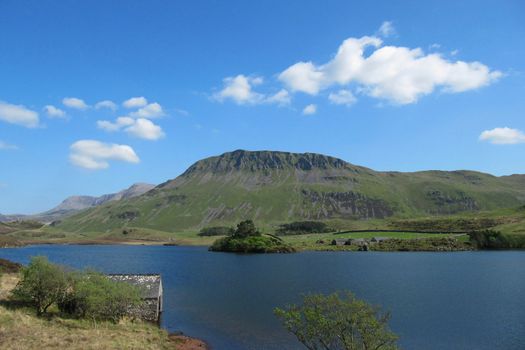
21	329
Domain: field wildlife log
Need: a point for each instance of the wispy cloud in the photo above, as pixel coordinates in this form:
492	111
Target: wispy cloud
240	89
151	110
387	29
4	146
106	104
310	109
503	136
342	97
141	128
54	112
75	103
135	102
19	115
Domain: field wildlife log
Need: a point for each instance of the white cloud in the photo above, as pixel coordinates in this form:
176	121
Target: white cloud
135	102
152	110
91	154
75	103
120	123
342	97
54	112
503	136
18	114
304	77
4	146
398	74
310	109
239	90
141	128
282	97
387	29
106	104
145	129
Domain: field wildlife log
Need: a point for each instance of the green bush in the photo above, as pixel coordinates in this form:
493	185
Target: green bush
303	227
338	322
42	284
95	296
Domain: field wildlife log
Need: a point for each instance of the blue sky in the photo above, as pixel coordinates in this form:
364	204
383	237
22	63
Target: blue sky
401	86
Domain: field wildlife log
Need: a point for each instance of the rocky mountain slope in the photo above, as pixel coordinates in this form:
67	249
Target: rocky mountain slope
274	187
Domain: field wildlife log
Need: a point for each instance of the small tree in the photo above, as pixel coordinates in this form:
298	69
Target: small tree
338	322
246	229
42	284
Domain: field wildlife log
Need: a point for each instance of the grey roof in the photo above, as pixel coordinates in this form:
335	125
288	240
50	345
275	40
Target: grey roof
150	285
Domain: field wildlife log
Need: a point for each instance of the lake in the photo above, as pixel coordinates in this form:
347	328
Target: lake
461	300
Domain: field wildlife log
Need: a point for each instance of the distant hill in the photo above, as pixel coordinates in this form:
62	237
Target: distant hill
275	187
74	204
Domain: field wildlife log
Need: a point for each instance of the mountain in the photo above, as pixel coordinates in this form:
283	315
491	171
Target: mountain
275	187
74	204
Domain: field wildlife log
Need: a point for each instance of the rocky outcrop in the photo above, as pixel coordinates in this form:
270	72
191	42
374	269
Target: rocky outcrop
325	205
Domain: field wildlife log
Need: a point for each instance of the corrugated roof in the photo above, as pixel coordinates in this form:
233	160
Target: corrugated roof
149	285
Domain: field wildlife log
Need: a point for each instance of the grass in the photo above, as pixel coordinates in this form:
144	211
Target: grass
21	329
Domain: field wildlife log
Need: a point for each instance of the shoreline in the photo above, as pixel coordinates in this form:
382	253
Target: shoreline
180	340
390	245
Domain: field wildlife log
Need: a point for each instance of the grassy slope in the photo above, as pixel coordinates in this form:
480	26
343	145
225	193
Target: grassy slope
269	187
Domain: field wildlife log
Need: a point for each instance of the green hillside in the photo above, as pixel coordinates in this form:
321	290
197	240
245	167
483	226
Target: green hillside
276	187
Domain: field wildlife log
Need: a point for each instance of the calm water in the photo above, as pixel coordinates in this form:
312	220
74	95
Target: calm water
468	300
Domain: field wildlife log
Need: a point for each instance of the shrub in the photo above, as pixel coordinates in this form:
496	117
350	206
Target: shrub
42	284
216	231
302	227
95	296
490	239
338	322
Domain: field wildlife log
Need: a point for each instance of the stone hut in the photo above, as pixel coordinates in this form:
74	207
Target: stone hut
340	241
151	292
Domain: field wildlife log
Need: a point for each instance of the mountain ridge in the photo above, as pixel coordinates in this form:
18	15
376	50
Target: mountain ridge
77	203
275	187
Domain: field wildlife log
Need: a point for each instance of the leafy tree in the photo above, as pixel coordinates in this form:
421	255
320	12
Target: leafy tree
338	322
42	284
246	229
